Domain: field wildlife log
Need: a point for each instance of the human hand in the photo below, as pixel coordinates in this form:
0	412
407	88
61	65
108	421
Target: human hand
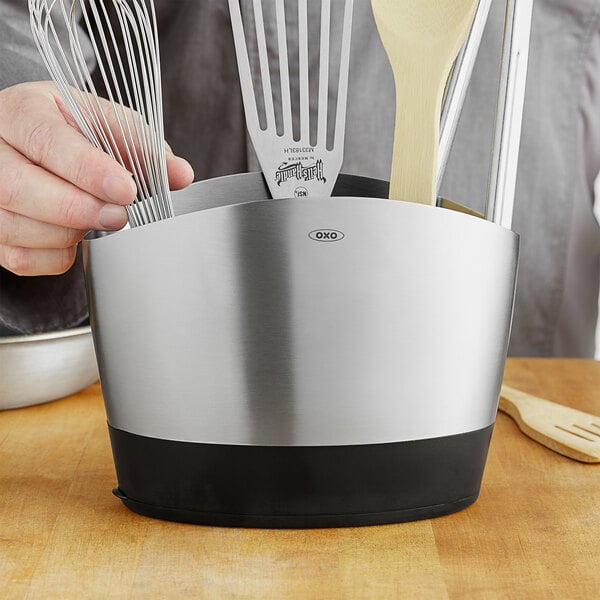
54	185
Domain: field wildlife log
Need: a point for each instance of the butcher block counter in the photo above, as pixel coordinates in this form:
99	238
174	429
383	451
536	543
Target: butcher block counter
534	532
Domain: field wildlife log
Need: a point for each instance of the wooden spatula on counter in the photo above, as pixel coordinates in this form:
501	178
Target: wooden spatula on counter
565	430
422	39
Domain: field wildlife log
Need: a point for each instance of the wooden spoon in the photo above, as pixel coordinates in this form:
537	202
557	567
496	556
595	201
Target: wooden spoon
422	39
565	430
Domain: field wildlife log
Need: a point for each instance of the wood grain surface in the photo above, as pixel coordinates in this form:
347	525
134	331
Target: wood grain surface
533	533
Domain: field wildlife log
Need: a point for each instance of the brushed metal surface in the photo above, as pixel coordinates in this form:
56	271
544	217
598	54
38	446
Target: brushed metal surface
232	325
43	367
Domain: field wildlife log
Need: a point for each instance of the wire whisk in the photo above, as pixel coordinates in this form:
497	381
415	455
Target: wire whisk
121	38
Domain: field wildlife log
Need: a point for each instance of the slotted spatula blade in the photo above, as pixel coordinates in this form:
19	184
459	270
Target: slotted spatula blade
294	167
422	39
565	430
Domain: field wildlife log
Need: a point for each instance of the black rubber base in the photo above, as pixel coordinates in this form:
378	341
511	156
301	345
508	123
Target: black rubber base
299	486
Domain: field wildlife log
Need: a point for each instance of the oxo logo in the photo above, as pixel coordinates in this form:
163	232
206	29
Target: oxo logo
326	235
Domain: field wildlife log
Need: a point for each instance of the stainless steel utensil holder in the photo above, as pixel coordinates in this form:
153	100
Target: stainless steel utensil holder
303	362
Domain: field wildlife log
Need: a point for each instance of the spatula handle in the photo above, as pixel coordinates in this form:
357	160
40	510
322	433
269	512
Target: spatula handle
513	401
521	405
416	137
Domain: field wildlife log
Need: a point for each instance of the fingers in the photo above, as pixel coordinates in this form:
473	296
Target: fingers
179	171
41	128
32	261
55	185
30	191
118	118
19	231
42	217
38	130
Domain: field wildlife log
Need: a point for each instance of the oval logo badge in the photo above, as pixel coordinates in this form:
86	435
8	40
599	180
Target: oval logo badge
326	235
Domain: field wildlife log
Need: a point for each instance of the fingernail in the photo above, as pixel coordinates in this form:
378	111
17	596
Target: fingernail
119	189
112	217
169	149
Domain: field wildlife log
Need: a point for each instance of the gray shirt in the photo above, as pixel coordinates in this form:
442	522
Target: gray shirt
556	308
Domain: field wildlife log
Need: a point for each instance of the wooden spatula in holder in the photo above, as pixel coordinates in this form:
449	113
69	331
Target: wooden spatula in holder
422	40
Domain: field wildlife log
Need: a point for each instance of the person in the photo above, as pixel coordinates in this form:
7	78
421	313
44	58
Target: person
54	186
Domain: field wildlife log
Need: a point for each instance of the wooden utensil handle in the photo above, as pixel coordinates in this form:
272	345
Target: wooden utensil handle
416	137
517	403
512	401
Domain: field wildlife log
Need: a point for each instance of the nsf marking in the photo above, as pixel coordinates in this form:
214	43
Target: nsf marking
326	235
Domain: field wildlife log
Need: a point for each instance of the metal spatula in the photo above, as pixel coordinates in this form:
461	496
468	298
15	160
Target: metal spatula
294	165
565	430
422	39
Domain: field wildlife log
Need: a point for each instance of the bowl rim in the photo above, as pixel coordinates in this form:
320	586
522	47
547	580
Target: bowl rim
47	336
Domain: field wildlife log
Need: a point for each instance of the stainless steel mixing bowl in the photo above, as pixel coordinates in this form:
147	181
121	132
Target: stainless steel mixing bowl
42	367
